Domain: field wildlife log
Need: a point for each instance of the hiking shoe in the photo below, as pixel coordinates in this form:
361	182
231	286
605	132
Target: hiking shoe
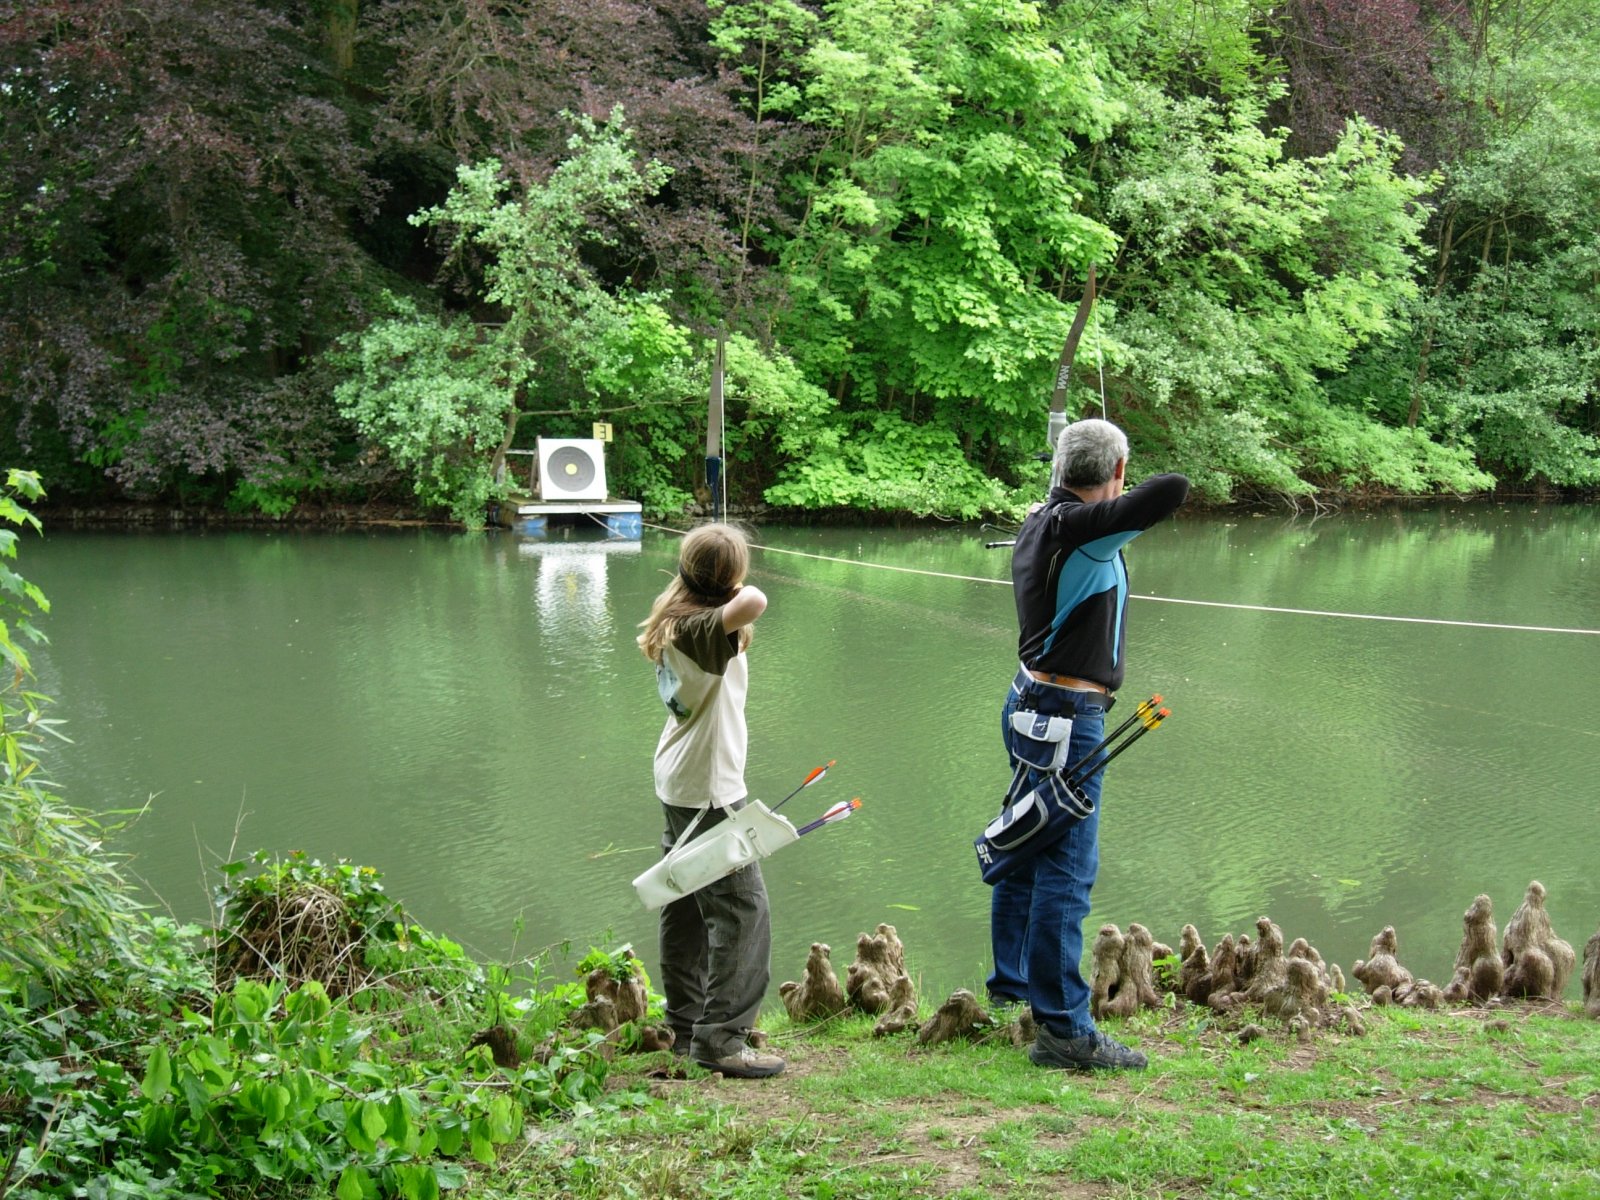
680	1042
1092	1052
745	1063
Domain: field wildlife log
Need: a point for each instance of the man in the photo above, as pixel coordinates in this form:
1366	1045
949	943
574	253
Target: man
1072	598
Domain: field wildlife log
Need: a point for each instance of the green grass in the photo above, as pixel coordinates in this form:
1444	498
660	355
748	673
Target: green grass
1465	1105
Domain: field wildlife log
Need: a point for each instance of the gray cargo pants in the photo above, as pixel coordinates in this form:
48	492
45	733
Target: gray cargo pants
716	951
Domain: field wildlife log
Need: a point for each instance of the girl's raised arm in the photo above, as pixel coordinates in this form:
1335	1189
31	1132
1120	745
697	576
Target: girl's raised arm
747	604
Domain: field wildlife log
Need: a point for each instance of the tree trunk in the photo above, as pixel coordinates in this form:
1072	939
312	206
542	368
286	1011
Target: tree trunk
1446	240
497	465
339	32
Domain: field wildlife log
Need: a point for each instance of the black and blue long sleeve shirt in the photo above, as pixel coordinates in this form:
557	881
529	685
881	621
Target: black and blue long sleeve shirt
1072	582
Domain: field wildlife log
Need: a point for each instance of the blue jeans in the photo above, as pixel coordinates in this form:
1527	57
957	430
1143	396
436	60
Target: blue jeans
1036	914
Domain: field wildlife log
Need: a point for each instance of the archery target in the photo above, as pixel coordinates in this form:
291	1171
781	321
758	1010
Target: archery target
571	469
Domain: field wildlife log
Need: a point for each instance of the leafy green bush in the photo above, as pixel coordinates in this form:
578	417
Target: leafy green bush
273	1084
382	1093
881	462
434	399
298	920
286	1086
65	913
1349	450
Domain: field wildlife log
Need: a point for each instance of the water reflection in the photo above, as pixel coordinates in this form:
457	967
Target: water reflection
571	592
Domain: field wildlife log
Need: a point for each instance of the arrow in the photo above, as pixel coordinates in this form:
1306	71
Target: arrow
837	813
1148	713
1077	772
1152	721
816	774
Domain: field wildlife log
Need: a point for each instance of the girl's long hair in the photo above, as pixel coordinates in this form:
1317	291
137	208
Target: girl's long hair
712	561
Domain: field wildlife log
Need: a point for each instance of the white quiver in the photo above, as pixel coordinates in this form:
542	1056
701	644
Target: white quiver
749	835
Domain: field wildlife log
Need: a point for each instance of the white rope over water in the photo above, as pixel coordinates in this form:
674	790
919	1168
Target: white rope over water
1317	612
1264	608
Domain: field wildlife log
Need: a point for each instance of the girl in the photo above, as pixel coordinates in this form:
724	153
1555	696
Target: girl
715	943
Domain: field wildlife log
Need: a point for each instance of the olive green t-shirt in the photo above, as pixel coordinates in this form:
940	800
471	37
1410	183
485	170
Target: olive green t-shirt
702	679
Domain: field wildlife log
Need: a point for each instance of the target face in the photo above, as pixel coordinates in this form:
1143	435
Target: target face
569	469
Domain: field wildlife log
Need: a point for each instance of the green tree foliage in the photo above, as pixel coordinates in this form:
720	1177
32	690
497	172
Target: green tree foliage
435	398
488	80
1249	278
971	161
441	395
1511	358
184	186
764	39
941	227
1341	245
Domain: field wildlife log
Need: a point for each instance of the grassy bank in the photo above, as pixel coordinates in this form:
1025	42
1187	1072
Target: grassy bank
1485	1102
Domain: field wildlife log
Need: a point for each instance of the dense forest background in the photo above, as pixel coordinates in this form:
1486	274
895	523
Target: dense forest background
275	254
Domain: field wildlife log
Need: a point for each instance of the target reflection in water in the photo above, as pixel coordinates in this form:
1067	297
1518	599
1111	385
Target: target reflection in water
571	587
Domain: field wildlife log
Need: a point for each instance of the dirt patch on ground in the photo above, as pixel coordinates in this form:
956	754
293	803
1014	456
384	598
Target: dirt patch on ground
937	1136
945	1136
955	1140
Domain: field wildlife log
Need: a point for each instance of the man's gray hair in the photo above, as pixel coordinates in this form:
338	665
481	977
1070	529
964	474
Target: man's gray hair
1087	454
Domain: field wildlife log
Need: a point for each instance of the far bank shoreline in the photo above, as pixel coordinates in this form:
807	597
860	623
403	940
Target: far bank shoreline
388	515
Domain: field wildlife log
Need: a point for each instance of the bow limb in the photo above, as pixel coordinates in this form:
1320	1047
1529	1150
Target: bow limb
714	430
1058	398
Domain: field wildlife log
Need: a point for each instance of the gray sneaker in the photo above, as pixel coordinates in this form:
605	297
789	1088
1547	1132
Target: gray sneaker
1092	1052
745	1063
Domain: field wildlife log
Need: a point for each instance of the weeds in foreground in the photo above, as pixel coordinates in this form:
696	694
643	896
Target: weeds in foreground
276	1086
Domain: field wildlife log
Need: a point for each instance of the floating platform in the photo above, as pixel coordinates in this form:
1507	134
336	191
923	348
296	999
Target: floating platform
621	518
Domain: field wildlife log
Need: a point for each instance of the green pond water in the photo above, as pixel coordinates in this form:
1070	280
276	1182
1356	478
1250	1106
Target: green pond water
468	713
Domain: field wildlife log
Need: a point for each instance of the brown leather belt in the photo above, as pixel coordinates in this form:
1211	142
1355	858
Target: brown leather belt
1072	682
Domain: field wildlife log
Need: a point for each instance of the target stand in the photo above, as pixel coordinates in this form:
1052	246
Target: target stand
569	480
